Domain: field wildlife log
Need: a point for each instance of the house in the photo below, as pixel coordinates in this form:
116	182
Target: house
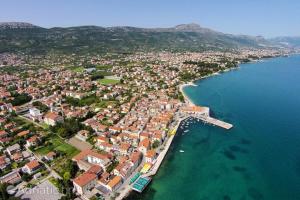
4	162
3	134
82	135
18	156
2	121
144	135
151	156
32	141
23	133
101	139
4	137
9	126
11	178
52	118
96	169
136	159
35	113
85	159
31	167
115	183
123	169
104	179
99	159
13	149
124	148
115	129
105	146
50	156
26	154
144	146
84	182
95	125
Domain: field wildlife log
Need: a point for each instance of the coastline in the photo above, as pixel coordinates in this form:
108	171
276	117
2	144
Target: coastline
190	102
187	99
126	192
158	189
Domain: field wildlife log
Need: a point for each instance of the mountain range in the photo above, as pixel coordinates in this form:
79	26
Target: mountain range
28	38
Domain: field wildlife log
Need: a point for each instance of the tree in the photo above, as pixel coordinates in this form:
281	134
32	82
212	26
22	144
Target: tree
3	192
155	144
67	176
26	177
4	195
20	99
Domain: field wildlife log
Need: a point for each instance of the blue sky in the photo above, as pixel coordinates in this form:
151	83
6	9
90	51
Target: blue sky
254	17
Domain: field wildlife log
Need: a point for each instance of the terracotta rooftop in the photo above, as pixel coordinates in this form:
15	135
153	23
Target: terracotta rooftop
116	180
33	164
51	115
85	153
85	178
151	153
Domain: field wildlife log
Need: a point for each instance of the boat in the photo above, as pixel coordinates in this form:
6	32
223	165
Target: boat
186	131
181	151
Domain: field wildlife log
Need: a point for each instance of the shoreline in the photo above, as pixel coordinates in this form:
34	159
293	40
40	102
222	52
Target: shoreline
190	102
192	83
125	193
187	99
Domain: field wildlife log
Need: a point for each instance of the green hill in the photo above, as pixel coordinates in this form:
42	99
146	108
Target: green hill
27	38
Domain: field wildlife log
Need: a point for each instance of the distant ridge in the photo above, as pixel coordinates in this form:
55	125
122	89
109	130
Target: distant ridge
288	41
16	25
28	38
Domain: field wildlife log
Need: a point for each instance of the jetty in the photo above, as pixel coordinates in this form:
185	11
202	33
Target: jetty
216	122
202	113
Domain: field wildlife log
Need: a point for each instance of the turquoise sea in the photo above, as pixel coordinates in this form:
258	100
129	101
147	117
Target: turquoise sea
259	159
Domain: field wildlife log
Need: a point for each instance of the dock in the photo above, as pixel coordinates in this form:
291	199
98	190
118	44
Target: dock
202	113
216	122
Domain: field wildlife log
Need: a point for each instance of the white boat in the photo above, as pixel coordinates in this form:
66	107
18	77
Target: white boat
186	131
181	151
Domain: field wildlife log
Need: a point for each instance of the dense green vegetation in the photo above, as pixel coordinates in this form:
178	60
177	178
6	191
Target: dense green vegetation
54	143
187	76
39	105
86	101
67	128
108	81
205	68
92	39
4	195
65	186
100	74
19	99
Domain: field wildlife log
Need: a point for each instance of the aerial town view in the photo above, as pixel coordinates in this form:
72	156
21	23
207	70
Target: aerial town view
119	112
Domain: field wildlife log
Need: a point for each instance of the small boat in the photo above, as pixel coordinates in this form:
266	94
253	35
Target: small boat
186	131
181	151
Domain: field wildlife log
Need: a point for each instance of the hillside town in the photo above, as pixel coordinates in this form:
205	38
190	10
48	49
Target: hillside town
95	127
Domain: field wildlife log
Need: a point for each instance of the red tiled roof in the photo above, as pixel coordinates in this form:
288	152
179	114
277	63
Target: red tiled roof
23	133
52	115
33	164
87	152
151	153
116	180
85	178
